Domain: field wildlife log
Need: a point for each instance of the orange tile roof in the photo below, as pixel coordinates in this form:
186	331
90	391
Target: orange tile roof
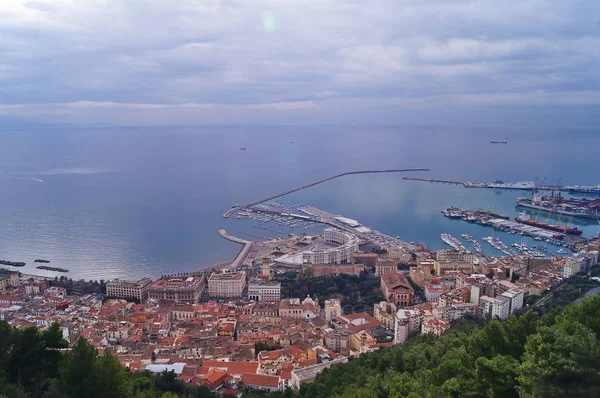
261	380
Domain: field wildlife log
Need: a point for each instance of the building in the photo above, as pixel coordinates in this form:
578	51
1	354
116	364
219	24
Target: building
337	269
180	290
309	373
367	259
294	308
337	248
8	279
385	313
338	340
333	309
396	289
454	311
356	322
55	291
516	297
264	291
407	324
397	253
386	267
455	256
36	288
261	382
229	284
495	307
361	341
420	275
444	267
578	262
434	291
435	326
129	289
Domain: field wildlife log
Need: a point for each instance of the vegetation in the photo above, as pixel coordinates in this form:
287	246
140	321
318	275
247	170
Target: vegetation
79	287
573	288
32	364
555	355
357	293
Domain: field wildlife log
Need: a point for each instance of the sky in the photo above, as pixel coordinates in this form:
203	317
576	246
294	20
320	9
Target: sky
134	62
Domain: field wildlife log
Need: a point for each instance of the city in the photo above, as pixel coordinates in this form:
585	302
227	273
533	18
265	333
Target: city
247	326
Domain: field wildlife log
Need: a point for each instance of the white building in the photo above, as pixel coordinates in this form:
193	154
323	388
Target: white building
408	323
129	289
455	256
498	307
261	291
227	284
454	311
337	248
581	261
516	297
434	291
333	309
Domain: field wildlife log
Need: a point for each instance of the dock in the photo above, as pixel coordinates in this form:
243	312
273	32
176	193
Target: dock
469	184
236	208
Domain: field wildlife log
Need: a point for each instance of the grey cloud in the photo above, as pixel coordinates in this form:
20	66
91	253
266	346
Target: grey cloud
142	56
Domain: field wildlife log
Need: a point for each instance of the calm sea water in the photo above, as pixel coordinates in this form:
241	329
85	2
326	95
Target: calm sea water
127	202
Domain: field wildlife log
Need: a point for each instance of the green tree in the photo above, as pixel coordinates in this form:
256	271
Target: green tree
559	363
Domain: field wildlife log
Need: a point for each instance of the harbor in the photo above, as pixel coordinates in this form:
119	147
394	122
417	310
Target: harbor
519	185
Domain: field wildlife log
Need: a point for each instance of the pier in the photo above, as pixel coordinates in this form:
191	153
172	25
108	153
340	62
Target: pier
236	208
242	254
433	180
469	184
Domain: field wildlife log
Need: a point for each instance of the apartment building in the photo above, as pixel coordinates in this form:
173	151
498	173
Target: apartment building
227	285
129	289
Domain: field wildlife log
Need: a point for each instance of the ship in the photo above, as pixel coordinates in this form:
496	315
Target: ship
523	218
529	185
591	189
452	212
499	142
475	185
243	148
581	208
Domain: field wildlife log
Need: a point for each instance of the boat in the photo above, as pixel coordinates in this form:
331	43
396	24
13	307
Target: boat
499	142
475	185
12	263
576	207
524	218
39	260
512	185
243	148
591	189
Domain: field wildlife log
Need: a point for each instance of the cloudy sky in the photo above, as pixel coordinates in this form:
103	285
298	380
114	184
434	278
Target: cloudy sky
300	61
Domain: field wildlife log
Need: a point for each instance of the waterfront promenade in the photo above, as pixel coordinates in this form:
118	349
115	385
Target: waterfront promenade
236	208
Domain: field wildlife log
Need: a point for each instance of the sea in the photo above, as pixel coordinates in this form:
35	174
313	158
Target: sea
116	202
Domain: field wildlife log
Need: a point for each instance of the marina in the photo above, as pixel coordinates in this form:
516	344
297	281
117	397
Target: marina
506	225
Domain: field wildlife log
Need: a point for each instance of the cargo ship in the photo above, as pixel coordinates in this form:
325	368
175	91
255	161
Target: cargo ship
529	185
584	189
576	207
499	142
523	218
